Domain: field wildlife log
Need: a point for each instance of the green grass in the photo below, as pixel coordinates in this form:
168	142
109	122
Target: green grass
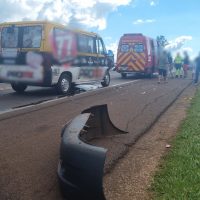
179	173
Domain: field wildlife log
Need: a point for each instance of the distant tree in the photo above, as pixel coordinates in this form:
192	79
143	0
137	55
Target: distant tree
161	40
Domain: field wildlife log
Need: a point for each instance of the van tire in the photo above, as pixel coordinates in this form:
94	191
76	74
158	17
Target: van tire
123	75
106	80
64	84
18	87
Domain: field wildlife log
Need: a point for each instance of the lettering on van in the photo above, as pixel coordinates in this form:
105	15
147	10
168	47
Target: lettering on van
63	43
34	60
19	74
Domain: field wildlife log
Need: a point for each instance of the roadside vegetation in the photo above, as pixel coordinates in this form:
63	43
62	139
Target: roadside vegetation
179	173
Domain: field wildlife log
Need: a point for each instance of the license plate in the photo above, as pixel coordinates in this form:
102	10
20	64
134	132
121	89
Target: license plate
14	74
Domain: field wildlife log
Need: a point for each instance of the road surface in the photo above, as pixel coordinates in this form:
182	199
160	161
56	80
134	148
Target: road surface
30	140
10	99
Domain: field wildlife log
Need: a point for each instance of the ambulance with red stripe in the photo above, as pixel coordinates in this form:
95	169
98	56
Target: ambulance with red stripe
137	54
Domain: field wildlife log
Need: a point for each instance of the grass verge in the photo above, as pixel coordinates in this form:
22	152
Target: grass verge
179	173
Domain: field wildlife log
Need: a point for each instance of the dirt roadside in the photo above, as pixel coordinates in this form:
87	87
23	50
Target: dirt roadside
132	175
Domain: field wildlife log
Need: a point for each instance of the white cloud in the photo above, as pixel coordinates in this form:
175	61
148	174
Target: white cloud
141	21
90	13
138	21
188	49
150	20
177	43
15	10
107	38
116	2
154	2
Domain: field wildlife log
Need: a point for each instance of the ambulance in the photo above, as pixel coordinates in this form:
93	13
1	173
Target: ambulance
137	53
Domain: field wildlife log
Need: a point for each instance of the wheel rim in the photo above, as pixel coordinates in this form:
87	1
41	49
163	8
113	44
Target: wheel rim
65	85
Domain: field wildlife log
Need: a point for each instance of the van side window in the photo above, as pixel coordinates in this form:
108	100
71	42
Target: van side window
152	46
101	48
86	44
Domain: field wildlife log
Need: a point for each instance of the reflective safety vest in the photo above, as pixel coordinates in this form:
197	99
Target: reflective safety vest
178	60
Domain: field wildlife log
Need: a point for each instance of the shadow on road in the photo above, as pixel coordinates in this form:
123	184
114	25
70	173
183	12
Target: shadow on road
38	96
137	76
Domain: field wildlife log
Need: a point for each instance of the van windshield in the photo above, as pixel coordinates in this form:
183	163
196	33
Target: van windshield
21	37
124	48
139	48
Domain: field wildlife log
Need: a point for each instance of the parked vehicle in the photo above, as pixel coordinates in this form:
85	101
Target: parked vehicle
137	54
41	53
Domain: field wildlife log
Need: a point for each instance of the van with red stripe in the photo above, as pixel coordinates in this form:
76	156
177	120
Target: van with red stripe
137	54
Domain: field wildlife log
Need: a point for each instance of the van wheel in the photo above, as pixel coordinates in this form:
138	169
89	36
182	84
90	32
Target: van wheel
64	84
106	80
123	75
18	87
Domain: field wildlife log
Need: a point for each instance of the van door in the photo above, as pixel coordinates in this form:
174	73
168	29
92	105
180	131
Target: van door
93	56
20	60
87	58
102	66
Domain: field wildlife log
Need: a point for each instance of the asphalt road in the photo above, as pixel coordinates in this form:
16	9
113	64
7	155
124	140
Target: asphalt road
10	99
30	141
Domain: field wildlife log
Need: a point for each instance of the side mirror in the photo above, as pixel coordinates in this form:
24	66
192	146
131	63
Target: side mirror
110	56
110	53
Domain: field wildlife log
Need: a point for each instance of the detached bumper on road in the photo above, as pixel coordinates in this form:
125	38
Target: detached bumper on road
81	165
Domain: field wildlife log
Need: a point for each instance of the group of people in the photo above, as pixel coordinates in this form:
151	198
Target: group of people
177	68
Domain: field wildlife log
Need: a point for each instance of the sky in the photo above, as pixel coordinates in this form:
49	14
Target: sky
177	20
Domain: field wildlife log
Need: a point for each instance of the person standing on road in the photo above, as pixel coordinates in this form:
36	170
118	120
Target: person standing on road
178	65
170	60
186	62
197	70
193	66
162	67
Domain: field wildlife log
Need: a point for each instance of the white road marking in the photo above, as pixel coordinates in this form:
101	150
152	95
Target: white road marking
124	83
5	87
